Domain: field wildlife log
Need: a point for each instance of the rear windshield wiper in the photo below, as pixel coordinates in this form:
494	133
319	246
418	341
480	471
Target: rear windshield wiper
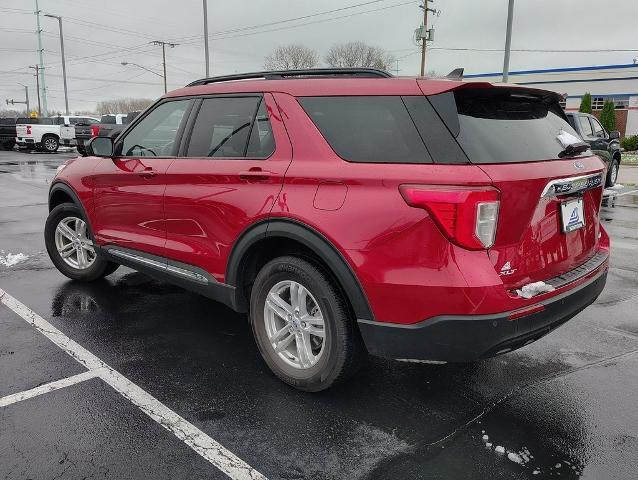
574	149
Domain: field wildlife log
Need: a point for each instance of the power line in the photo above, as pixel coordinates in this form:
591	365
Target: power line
278	22
537	50
307	23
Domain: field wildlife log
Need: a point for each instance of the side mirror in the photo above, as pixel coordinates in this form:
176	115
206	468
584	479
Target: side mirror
100	147
614	135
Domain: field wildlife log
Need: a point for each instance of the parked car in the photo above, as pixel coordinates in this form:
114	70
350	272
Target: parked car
590	130
108	125
347	212
7	133
43	133
73	121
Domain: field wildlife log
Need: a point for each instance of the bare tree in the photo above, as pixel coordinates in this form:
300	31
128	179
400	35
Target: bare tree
122	105
358	54
293	56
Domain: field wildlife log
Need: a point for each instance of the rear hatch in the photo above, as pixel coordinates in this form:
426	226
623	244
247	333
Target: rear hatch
550	184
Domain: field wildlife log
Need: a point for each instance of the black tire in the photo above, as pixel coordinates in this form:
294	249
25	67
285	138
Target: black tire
100	267
81	151
50	143
612	173
344	350
8	145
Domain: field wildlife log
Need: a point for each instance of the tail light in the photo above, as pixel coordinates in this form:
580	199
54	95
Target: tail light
28	129
466	215
95	130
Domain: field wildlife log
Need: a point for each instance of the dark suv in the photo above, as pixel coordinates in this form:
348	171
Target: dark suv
590	129
348	212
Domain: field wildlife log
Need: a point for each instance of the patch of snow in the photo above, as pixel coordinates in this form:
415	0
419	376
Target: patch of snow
618	186
485	437
11	259
515	457
532	289
558	465
488	444
499	449
536	472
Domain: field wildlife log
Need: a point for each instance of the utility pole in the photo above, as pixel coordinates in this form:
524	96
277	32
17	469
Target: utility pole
423	33
163	44
42	83
508	41
66	94
396	70
423	42
206	38
37	83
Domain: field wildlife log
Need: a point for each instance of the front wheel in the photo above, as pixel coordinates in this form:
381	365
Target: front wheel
70	246
302	326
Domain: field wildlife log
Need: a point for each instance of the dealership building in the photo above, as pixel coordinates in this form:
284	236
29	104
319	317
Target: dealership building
618	83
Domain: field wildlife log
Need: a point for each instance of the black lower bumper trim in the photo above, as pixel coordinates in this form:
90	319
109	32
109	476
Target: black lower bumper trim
466	338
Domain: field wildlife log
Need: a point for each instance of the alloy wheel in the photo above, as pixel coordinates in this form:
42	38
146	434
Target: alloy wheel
50	144
294	324
73	244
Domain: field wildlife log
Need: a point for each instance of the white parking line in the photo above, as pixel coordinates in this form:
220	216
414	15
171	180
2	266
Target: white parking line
48	387
211	450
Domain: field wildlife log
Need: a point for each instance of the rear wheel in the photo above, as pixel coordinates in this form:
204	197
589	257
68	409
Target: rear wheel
612	174
70	246
302	326
50	143
8	145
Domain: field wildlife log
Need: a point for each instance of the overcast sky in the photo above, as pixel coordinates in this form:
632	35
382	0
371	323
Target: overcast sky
100	35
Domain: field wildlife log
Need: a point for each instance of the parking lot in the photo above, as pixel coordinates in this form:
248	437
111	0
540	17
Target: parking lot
142	379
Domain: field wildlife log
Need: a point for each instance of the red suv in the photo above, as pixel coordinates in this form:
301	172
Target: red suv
348	212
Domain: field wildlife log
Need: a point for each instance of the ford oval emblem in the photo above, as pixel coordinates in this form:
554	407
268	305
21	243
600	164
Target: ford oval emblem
579	165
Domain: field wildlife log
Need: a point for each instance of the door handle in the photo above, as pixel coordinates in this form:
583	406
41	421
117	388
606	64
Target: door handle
148	172
255	174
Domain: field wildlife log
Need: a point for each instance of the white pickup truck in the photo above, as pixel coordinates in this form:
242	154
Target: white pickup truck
48	133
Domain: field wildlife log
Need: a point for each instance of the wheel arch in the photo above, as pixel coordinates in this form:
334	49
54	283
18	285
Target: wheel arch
275	237
60	193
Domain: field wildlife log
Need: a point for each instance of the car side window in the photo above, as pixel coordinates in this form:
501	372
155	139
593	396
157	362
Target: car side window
156	134
585	126
599	131
262	141
222	127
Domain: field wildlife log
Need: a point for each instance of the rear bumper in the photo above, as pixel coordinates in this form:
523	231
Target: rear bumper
466	338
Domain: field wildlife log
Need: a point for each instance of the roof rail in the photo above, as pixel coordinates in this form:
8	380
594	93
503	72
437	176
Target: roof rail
306	72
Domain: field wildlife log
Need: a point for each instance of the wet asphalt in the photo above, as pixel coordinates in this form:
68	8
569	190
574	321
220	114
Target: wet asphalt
563	407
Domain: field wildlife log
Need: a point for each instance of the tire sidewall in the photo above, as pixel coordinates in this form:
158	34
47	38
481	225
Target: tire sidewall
44	142
611	181
326	369
60	212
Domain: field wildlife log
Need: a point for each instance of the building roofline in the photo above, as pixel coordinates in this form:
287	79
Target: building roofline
554	70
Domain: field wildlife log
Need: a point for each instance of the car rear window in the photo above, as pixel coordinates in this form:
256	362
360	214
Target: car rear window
500	125
370	129
7	121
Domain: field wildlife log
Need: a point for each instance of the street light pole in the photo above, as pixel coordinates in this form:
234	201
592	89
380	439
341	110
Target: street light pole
66	95
508	41
26	96
206	38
